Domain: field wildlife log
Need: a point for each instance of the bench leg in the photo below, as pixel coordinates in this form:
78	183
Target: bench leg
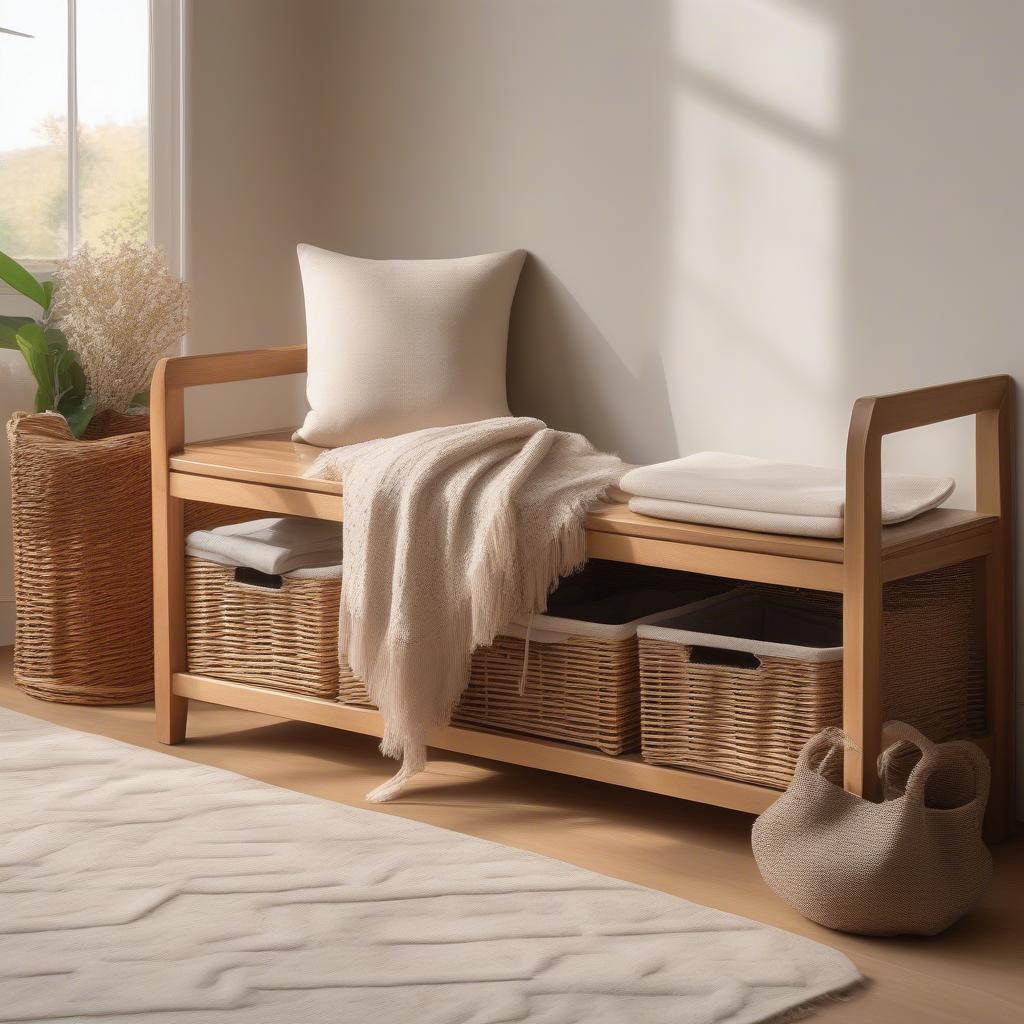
167	434
995	611
168	618
862	698
862	606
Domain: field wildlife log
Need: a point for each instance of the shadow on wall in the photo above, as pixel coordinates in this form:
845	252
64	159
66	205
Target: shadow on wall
776	207
559	360
679	179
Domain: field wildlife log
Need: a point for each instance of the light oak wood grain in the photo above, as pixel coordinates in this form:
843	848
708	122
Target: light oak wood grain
628	771
990	400
167	433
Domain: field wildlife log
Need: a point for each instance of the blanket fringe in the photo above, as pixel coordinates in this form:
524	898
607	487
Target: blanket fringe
413	762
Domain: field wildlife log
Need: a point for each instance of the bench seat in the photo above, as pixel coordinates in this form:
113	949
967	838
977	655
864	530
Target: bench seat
272	461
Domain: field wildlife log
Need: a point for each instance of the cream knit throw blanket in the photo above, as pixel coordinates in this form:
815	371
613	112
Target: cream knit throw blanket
450	533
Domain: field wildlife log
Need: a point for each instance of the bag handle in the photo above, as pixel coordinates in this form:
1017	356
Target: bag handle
933	755
976	760
827	743
833	739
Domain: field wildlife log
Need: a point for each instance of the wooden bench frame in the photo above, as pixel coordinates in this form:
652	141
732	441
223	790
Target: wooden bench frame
252	473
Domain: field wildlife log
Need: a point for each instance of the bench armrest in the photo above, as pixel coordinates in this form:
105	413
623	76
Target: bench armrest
174	374
990	399
225	367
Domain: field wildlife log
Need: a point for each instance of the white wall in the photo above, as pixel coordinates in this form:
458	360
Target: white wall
255	186
743	214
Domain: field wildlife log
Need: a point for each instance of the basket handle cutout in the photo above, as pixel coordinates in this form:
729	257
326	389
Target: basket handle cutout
701	655
254	578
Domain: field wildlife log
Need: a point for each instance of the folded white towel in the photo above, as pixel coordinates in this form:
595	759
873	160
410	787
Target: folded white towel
739	482
738	518
273	546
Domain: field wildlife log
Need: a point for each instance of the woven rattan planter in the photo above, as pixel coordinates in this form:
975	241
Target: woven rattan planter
275	631
582	682
80	513
706	708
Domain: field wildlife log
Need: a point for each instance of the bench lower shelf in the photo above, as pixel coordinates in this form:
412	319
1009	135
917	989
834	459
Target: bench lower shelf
628	770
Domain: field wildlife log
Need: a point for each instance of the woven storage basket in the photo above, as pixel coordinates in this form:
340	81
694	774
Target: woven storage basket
80	512
275	631
582	682
750	723
736	687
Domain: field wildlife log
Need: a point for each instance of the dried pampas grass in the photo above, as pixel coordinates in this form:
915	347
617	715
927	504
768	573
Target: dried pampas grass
121	310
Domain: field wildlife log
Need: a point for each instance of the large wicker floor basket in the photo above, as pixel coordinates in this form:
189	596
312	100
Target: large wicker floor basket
82	531
275	631
80	511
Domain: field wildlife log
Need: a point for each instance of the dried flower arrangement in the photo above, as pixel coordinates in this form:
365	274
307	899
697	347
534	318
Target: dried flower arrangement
121	309
108	316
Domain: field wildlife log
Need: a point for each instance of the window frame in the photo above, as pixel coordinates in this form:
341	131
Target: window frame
167	118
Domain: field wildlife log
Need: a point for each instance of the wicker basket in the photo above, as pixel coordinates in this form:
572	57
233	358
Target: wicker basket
747	719
582	680
737	687
275	631
80	512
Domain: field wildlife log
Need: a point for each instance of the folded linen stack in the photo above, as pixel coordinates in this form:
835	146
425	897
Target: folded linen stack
744	493
271	546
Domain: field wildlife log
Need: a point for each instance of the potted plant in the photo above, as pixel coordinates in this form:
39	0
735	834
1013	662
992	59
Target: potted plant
60	378
80	487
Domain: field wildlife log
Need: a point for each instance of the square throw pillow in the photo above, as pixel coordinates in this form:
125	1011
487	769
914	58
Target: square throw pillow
399	345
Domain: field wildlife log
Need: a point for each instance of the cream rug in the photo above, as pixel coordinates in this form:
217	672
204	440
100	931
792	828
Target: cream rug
136	886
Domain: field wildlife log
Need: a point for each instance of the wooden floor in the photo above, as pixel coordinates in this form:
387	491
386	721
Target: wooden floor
973	974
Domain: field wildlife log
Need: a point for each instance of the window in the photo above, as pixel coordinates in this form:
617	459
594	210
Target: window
91	101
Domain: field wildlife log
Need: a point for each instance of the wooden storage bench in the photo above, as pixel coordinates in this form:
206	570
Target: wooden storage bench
264	473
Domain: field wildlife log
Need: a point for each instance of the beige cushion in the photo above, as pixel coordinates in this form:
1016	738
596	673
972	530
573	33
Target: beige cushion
399	345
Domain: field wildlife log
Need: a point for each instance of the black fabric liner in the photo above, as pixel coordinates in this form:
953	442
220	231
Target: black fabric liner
611	593
770	618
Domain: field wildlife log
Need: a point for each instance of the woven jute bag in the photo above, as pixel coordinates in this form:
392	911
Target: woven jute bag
911	865
80	512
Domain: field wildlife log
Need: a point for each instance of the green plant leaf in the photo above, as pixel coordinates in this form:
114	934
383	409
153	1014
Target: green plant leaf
78	412
31	339
141	398
75	373
9	327
63	383
56	343
47	293
22	281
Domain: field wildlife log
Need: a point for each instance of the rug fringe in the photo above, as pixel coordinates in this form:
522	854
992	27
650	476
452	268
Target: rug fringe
805	1010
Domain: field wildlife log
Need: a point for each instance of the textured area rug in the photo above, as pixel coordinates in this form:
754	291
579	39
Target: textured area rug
136	886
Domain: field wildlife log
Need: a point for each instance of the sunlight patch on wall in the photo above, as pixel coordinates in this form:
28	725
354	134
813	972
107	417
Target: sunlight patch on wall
783	54
754	355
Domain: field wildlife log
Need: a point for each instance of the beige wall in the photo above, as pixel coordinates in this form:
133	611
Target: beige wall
742	213
256	186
